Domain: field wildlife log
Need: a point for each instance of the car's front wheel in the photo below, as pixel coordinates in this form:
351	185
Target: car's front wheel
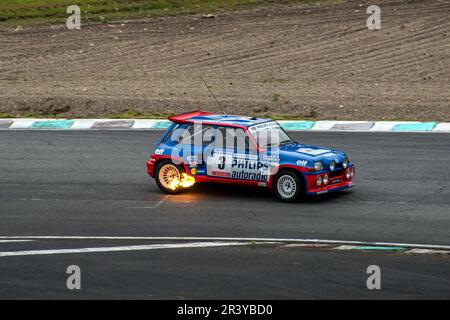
288	186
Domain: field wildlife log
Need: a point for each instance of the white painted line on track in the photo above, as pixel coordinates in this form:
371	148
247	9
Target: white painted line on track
442	127
143	124
383	126
83	124
323	125
160	202
22	123
8	241
346	247
316	241
123	248
149	124
422	251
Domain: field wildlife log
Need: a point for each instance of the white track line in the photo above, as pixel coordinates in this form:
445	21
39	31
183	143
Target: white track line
160	202
123	248
346	247
426	251
317	241
8	241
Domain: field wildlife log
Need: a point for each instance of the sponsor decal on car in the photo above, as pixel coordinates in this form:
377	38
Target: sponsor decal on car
262	126
220	174
238	167
313	152
201	171
249	164
244	175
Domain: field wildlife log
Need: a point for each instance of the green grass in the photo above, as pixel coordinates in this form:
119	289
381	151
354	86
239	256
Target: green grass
289	117
132	113
26	12
4	115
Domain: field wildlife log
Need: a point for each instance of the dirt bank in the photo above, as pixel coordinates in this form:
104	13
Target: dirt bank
310	61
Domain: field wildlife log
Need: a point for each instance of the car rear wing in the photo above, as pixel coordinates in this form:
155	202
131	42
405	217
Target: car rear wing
186	117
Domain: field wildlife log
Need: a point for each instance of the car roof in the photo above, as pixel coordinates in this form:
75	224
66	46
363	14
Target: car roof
217	119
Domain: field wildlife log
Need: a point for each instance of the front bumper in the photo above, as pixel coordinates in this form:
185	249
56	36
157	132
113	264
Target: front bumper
337	181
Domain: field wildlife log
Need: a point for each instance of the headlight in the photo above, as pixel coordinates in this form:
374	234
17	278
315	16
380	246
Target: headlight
318	166
345	163
325	179
352	172
319	181
349	173
332	165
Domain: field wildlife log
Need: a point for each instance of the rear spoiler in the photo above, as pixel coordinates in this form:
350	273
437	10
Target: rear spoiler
186	117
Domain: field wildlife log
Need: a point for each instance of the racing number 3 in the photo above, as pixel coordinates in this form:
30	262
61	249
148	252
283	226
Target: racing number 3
221	163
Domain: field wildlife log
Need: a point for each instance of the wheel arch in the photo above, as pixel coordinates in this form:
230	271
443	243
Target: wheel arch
293	169
160	158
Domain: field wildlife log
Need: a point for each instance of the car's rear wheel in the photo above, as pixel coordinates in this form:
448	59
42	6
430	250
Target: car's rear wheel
165	174
288	186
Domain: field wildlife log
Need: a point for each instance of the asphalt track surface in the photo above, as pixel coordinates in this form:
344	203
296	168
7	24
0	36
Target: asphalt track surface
93	183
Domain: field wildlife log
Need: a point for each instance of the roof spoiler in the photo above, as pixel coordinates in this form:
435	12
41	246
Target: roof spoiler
185	117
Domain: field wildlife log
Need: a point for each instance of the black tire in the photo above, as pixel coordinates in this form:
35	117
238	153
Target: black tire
288	186
161	184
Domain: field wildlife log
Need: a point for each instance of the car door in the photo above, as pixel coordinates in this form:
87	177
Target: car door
233	156
192	142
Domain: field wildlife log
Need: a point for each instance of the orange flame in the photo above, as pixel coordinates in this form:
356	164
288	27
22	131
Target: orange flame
186	181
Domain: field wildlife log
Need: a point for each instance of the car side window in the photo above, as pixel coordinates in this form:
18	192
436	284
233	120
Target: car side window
230	138
168	137
193	134
180	133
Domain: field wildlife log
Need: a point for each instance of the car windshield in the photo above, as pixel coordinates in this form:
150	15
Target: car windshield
269	134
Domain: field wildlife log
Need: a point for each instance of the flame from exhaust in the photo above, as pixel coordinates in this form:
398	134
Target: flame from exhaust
186	181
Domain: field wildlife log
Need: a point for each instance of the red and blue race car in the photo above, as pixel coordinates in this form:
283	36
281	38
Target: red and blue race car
205	147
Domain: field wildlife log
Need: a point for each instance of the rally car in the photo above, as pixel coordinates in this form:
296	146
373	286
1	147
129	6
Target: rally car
204	147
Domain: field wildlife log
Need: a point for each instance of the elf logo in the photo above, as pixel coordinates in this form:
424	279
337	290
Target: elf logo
159	151
302	163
